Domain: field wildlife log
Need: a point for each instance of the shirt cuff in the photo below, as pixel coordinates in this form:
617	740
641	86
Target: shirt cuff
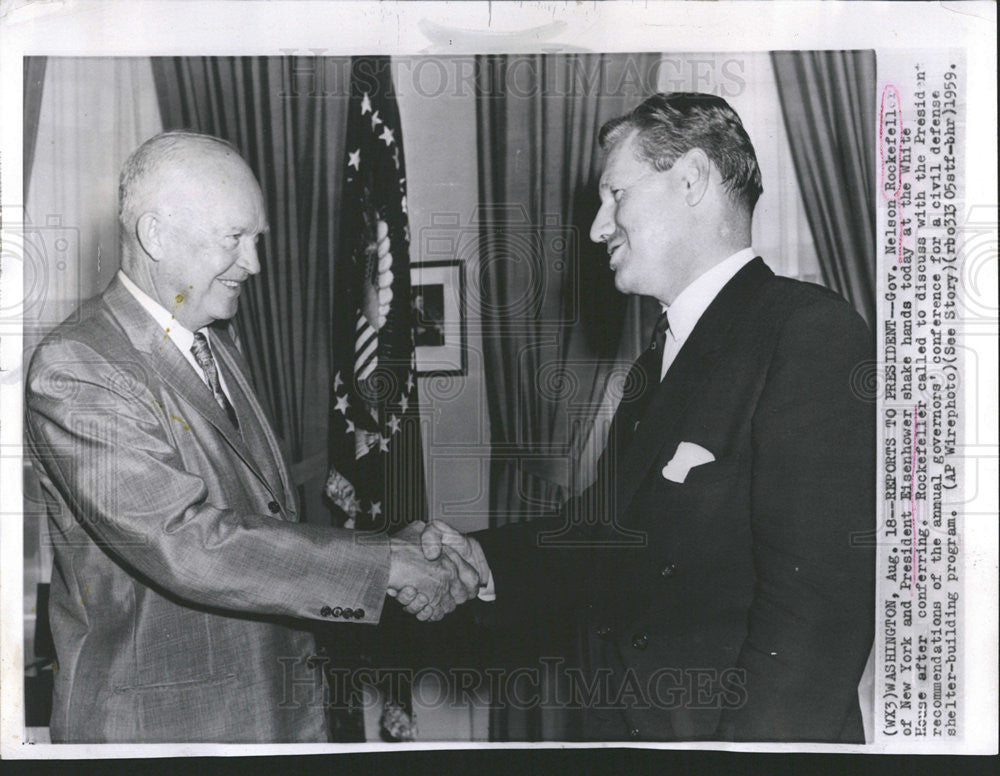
489	592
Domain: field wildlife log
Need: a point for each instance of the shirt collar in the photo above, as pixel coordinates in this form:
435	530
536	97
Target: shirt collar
692	302
181	337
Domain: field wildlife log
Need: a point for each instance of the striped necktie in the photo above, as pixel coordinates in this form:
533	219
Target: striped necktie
203	355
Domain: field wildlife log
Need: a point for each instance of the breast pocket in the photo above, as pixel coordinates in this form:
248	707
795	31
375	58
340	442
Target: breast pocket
724	468
701	510
709	491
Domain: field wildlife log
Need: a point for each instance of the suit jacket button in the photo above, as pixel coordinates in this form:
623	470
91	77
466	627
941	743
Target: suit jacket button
337	611
633	733
669	570
359	614
274	507
640	641
326	611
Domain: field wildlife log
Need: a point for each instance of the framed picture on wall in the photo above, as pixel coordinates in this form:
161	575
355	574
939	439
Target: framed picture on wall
437	299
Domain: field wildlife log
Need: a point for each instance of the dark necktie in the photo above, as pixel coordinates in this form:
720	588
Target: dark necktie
659	337
203	355
641	382
638	390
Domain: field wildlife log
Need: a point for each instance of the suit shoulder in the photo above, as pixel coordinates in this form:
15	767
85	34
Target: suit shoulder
89	336
811	313
800	299
801	293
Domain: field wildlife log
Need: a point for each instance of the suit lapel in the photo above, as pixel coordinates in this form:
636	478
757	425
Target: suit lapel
166	360
694	364
253	420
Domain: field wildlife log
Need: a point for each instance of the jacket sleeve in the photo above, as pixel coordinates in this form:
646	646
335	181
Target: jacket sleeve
542	569
105	451
811	621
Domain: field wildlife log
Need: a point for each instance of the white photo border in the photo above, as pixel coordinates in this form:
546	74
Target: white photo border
217	27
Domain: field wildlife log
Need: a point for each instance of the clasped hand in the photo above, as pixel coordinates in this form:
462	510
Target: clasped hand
434	568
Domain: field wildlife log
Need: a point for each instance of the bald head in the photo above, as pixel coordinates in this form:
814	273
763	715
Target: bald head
190	212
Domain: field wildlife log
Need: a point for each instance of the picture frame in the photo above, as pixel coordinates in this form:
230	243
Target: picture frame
440	330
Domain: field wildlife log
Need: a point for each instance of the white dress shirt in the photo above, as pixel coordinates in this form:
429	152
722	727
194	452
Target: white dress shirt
177	334
691	303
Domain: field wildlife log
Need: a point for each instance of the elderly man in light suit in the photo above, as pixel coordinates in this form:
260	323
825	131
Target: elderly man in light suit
183	580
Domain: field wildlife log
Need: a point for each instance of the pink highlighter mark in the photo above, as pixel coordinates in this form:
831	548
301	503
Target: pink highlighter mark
913	505
892	99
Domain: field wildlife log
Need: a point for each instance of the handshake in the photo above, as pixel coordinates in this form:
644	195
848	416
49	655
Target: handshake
433	568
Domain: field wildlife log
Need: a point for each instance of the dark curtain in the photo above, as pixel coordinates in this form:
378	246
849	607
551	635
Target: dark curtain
553	324
288	118
828	102
34	77
552	320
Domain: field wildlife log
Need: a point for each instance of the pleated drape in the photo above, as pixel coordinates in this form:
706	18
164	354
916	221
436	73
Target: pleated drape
828	102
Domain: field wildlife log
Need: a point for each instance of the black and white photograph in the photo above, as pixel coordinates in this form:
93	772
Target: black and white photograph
428	311
437	302
485	392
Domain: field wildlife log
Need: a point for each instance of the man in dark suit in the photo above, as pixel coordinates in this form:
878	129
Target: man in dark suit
184	582
718	566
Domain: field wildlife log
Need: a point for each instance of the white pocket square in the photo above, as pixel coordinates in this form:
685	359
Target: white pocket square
687	456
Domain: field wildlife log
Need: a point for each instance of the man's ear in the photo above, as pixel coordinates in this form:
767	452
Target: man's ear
149	235
696	169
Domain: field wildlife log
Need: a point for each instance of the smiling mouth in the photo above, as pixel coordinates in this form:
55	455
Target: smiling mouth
611	255
233	284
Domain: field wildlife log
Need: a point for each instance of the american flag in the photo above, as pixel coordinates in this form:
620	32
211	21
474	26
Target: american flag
376	477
